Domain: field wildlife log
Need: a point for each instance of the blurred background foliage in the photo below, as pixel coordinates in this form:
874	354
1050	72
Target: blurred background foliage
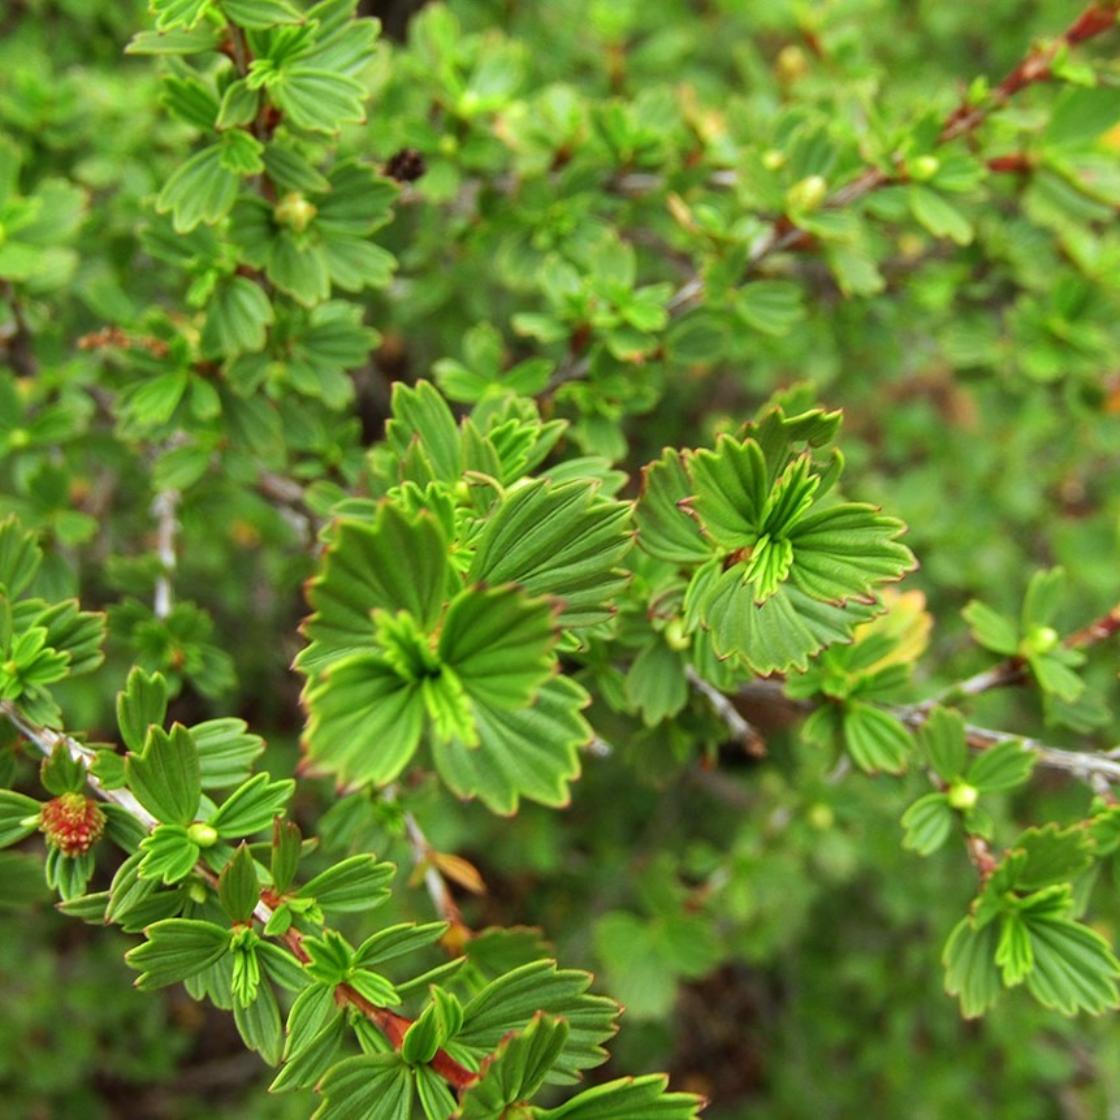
775	945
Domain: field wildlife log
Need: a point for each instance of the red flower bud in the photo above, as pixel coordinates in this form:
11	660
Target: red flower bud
72	823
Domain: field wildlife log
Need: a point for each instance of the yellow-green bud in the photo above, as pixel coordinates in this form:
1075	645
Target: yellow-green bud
773	158
1041	639
821	816
807	194
923	168
197	892
19	437
295	212
203	834
962	796
675	637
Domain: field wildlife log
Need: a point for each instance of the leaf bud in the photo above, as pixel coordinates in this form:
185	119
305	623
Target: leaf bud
295	212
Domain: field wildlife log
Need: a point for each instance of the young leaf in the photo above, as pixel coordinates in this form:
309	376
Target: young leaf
357	883
238	887
970	968
175	949
140	704
558	540
165	776
252	806
516	1070
928	823
499	642
942	740
372	1086
627	1099
522	752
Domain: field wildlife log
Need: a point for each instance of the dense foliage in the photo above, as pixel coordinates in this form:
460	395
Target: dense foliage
530	418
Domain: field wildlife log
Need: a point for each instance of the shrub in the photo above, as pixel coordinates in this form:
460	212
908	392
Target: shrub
514	355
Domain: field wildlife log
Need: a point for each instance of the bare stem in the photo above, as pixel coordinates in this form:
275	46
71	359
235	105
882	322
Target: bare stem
165	509
739	726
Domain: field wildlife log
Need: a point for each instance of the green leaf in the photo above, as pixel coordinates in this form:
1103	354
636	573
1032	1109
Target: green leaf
140	704
365	720
396	563
306	1064
237	318
260	14
165	776
20	557
226	751
372	1086
175	949
15	809
629	1098
252	807
665	530
238	886
645	960
524	752
1001	767
970	969
942	741
1074	969
770	306
201	190
991	629
511	1001
396	941
358	883
516	1070
178	13
1014	954
657	683
169	853
318	100
777	635
875	739
176	42
560	540
928	823
499	642
1053	855
259	1025
938	215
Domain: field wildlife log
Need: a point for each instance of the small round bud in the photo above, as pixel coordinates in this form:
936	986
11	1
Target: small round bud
923	168
203	834
1041	639
962	796
10	668
773	158
675	636
295	212
19	437
72	823
197	892
821	816
807	194
792	63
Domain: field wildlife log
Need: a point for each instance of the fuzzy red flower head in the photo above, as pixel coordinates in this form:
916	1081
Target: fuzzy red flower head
72	823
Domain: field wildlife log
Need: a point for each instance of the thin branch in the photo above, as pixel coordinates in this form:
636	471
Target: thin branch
438	890
165	510
739	726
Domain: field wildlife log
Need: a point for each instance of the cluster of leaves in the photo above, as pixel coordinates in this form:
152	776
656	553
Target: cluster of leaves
575	238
